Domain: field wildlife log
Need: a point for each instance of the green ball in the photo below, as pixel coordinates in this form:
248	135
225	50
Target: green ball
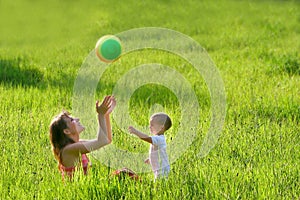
108	48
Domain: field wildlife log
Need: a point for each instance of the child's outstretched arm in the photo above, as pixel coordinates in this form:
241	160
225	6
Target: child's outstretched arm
141	135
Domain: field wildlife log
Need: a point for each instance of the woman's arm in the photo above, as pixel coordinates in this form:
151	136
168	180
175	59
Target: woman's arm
107	119
102	136
104	131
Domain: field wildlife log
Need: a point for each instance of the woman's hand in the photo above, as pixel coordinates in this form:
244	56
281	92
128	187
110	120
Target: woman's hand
104	106
112	105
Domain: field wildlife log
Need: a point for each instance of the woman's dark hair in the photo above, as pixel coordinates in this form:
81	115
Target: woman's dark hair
58	138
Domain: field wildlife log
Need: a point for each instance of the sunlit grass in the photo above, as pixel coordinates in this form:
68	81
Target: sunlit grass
254	44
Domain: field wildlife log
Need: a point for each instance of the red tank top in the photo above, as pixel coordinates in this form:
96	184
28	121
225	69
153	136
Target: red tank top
69	171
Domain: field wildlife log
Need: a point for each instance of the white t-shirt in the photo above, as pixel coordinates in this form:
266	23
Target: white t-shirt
158	156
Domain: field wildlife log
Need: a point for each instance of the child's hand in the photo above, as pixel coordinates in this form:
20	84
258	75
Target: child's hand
141	135
104	106
112	105
132	130
147	161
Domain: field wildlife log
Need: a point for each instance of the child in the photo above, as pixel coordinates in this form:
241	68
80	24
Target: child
68	149
158	158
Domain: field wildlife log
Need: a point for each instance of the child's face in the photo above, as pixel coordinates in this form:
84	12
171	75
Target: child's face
155	127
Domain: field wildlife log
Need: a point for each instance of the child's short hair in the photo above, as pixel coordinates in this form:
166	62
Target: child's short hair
164	119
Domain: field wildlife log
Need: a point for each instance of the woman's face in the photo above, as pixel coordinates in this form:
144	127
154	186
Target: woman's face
74	125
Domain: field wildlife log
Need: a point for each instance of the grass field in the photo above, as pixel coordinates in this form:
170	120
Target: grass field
255	46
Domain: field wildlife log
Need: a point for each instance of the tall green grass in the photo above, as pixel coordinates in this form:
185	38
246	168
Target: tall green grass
254	44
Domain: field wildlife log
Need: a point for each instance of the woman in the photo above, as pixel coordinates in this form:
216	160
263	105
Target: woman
68	149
